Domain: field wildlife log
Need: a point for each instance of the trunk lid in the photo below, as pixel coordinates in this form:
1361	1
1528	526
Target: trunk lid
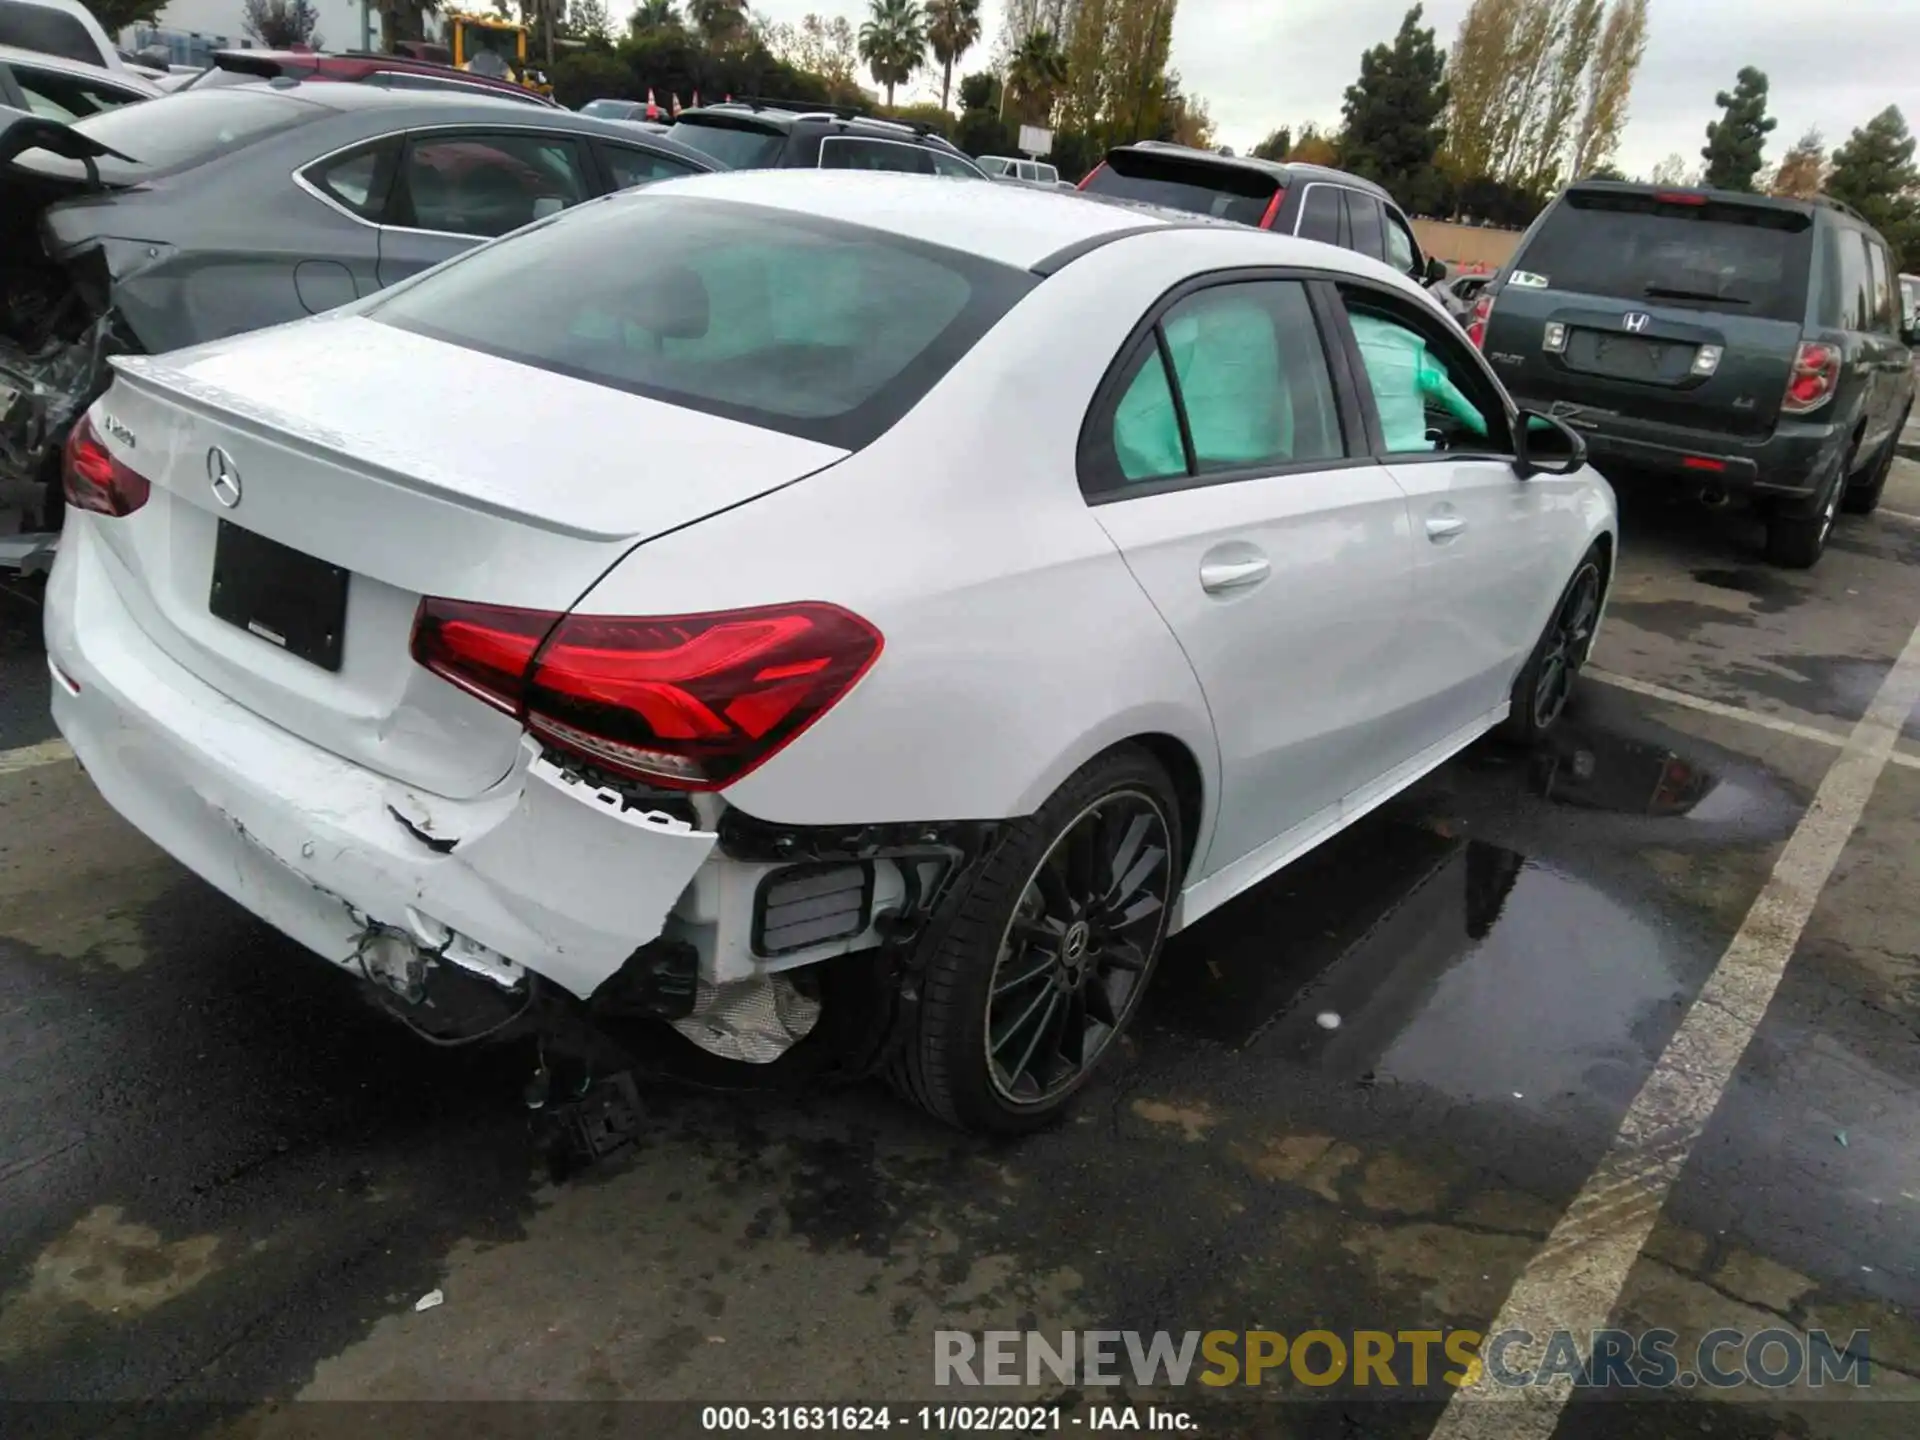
1641	288
489	481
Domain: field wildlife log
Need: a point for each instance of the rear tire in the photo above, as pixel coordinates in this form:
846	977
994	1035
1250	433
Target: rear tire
1796	539
1545	683
1042	957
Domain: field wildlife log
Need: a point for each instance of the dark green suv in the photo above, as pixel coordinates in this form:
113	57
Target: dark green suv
1741	345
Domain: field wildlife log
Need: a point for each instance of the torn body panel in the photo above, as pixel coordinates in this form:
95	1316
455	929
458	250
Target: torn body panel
547	871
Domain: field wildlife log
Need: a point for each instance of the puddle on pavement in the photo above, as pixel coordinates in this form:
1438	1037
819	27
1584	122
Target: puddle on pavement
1448	962
1596	771
1771	591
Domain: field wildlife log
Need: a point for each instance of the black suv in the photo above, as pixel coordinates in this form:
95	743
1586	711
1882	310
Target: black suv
1306	200
788	134
1740	344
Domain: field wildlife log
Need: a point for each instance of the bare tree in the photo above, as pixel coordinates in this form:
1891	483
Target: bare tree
278	24
1803	169
1623	43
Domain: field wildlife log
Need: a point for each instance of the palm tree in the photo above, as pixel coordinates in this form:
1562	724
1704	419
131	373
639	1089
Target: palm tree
718	21
893	42
654	15
1035	74
953	27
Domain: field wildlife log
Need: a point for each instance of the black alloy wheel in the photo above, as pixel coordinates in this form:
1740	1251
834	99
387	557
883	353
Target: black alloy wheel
1567	639
1074	956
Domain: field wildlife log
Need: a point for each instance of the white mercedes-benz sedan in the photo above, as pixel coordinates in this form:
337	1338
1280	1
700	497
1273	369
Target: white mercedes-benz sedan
818	613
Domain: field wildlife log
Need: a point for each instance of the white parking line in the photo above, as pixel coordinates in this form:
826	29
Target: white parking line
1764	721
1574	1281
32	757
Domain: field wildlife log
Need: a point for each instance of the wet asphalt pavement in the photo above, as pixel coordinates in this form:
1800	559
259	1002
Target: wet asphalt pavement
225	1180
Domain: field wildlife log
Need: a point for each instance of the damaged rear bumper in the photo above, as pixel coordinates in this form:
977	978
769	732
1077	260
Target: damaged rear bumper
545	872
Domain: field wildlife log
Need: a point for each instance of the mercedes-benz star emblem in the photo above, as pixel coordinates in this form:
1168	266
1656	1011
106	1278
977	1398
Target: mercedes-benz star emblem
224	477
1635	321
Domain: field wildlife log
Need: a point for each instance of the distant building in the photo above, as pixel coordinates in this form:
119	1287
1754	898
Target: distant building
191	30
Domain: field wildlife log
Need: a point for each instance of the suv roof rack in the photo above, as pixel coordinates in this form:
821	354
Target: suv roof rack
1842	206
795	107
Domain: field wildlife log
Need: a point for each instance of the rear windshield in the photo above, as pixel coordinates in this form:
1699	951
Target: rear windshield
1746	259
48	31
1227	192
827	331
738	147
189	129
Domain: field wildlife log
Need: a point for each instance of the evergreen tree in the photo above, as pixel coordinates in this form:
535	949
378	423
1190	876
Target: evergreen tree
1735	141
1874	172
1393	110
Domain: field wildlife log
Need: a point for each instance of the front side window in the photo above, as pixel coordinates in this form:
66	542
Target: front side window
488	184
815	328
1320	214
1428	392
845	152
1233	378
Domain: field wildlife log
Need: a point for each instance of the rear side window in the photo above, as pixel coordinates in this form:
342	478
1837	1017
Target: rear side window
637	167
845	152
1749	259
738	147
611	109
1363	218
1320	214
1852	299
1228	192
67	97
1880	275
945	164
1233	378
360	181
50	32
818	329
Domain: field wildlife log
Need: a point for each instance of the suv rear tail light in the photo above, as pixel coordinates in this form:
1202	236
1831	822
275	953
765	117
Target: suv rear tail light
1272	211
94	479
691	702
1815	376
1087	179
1477	319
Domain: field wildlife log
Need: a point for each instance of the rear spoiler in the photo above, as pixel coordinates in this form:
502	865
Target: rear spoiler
252	62
20	132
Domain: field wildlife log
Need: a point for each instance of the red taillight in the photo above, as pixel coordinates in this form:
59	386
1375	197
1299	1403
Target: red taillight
1477	320
95	480
1679	197
1702	462
692	702
1273	208
1815	376
1087	179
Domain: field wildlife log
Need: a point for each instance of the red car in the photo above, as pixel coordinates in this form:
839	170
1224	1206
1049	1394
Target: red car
396	72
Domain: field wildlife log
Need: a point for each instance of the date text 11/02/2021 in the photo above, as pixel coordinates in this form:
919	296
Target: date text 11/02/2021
945	1419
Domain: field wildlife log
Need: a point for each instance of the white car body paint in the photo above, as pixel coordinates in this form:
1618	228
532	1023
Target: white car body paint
1025	631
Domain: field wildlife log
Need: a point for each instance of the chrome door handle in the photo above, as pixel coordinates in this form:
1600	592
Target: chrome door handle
1218	575
1439	527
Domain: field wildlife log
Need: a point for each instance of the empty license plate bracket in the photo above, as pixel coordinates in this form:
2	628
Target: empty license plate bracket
272	591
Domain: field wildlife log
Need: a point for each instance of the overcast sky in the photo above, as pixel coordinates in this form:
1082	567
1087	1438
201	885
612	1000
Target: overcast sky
1262	63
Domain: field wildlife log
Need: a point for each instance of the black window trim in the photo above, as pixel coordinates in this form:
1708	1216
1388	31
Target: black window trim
1429	324
1095	445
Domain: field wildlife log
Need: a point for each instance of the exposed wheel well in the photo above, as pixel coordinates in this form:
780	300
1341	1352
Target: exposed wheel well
1181	767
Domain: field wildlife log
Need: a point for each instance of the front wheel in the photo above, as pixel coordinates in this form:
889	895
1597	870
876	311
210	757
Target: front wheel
1545	683
1047	951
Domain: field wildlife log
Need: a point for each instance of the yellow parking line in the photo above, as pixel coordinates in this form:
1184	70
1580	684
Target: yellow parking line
1574	1281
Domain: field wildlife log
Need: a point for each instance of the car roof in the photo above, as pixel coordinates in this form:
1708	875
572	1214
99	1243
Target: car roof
1287	172
40	59
1708	193
784	115
446	107
1017	225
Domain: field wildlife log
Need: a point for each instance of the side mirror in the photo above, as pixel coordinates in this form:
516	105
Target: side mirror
1543	445
1436	270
